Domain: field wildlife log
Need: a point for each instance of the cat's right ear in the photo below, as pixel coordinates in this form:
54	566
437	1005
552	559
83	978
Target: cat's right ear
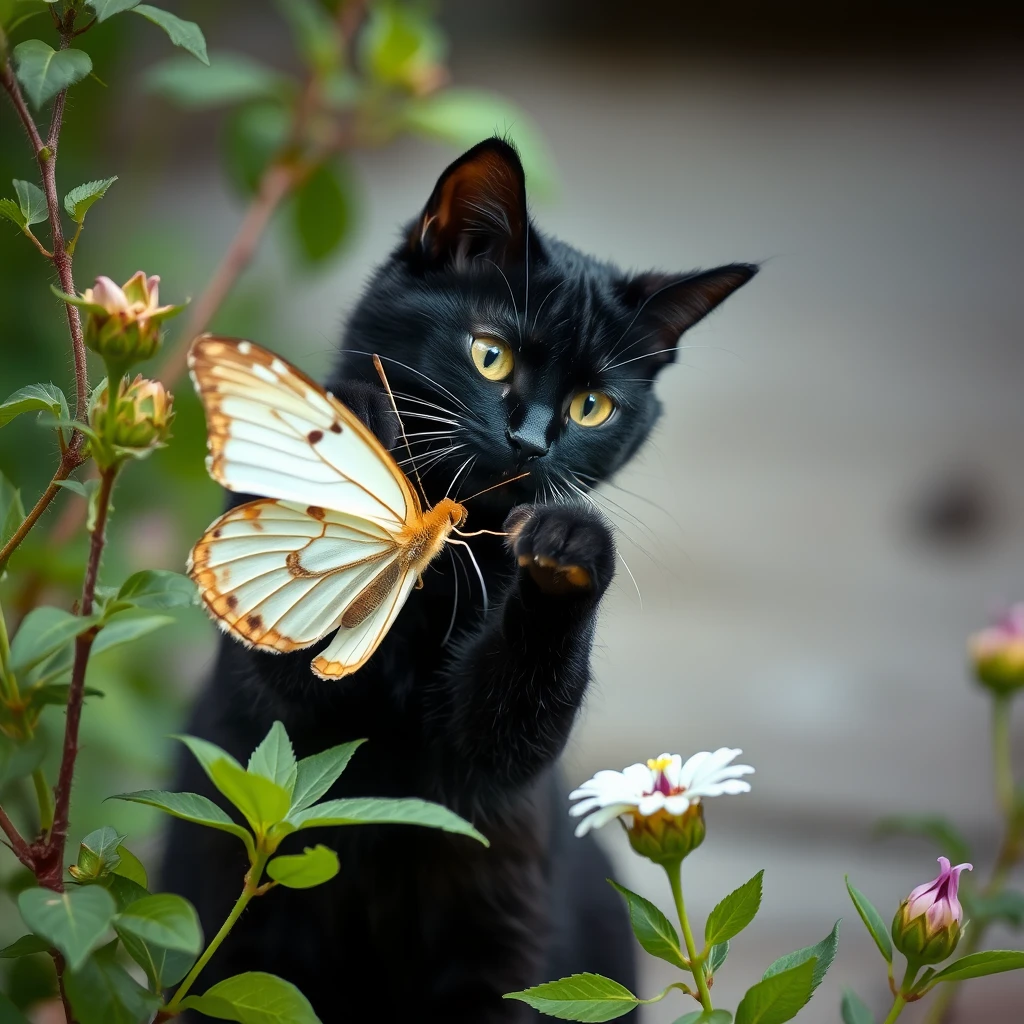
477	209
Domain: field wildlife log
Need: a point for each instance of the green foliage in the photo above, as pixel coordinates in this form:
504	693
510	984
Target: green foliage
854	1011
274	759
154	589
314	866
823	953
230	78
9	1013
778	998
42	633
164	920
315	775
253	135
399	44
20	758
315	32
44	71
103	992
254	998
186	34
127	626
262	802
12	512
163	967
41	398
706	1017
1007	906
31	201
717	955
582	997
653	930
872	920
25	946
78	201
74	921
977	965
735	912
108	8
323	212
98	854
130	867
946	836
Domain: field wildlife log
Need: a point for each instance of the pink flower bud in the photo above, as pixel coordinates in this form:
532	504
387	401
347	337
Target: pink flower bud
997	653
926	928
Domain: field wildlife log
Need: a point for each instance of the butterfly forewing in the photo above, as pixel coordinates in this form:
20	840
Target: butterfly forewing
275	432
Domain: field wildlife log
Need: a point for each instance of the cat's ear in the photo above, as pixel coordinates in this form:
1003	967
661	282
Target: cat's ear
477	209
667	305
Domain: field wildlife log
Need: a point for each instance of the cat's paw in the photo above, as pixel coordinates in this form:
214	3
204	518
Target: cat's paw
562	549
372	406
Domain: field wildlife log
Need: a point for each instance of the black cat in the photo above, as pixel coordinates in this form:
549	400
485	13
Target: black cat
510	353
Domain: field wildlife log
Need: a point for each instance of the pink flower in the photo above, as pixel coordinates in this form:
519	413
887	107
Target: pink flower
926	928
997	653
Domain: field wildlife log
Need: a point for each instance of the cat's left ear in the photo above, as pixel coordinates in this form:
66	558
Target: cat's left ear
666	305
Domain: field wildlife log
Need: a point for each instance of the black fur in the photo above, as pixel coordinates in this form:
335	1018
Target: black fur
421	924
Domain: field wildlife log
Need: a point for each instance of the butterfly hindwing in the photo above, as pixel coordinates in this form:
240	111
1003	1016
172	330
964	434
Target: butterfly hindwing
273	431
280	576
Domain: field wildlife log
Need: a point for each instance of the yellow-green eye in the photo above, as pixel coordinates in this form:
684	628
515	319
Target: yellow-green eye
492	357
591	408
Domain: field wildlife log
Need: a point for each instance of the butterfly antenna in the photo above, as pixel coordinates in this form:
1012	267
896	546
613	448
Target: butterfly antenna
501	483
401	426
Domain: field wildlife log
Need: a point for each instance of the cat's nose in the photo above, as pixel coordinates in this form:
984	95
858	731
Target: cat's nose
527	444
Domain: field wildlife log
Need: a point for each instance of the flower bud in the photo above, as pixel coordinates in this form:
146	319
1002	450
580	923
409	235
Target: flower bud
142	417
123	323
997	653
926	928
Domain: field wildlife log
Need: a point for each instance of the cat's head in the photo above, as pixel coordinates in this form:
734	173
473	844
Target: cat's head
512	352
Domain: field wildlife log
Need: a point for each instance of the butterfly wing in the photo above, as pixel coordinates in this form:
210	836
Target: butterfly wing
279	576
273	431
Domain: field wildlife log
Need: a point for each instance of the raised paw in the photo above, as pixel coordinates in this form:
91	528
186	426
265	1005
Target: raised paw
372	406
562	549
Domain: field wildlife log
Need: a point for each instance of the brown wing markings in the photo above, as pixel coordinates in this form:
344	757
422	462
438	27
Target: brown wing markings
372	596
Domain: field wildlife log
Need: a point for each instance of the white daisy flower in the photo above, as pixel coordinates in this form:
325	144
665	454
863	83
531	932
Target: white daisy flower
664	787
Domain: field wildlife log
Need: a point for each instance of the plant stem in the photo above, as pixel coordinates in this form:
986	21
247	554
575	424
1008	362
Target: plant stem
18	844
1002	761
250	889
675	879
897	1008
44	797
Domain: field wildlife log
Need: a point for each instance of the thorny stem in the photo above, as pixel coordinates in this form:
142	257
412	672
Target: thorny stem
71	460
250	889
675	872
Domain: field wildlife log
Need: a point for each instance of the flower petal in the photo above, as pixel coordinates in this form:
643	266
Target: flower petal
651	804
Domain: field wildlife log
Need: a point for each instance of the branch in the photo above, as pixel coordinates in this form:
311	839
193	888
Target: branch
18	845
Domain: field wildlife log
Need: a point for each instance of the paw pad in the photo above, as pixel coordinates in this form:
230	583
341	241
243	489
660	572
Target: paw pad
553	577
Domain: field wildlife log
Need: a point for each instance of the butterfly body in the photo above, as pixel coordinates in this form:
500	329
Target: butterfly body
341	537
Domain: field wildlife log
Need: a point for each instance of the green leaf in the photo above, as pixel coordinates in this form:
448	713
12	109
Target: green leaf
155	589
316	33
124	890
274	759
190	807
978	965
315	866
131	867
323	212
706	1017
12	512
252	137
315	775
108	8
823	953
186	34
10	210
9	1013
380	810
98	854
206	753
231	78
778	998
462	117
44	71
126	626
872	920
57	693
25	946
163	967
398	43
31	200
34	398
43	632
653	930
164	920
1007	906
735	912
19	759
81	197
854	1011
946	836
717	955
254	998
74	921
103	992
586	997
263	803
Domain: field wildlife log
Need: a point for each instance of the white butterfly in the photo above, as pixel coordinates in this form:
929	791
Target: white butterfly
340	539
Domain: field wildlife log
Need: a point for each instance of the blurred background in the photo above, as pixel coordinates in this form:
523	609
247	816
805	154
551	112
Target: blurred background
834	499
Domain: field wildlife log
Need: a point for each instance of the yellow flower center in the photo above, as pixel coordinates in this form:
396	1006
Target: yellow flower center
658	764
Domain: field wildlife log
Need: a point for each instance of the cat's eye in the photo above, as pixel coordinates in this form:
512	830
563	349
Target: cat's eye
492	357
591	408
